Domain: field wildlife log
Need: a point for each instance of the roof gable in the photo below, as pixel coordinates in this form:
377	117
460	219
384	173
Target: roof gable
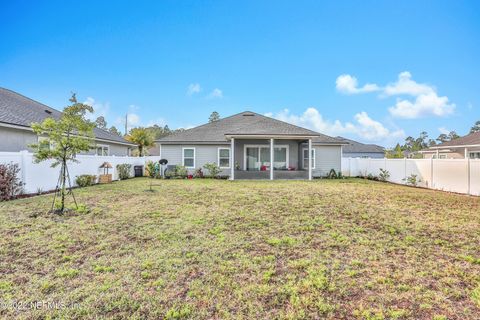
16	109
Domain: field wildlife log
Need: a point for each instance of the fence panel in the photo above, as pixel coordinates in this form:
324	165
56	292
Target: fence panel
455	175
475	177
41	176
451	175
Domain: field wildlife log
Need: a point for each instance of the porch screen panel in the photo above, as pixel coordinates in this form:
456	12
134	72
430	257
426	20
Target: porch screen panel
280	158
252	159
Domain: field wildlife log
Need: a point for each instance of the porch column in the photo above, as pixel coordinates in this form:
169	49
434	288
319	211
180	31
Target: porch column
309	159
232	159
271	159
466	153
438	154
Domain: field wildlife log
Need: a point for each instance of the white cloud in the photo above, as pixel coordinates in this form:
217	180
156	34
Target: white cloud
349	85
405	85
426	100
424	105
99	109
216	93
193	88
364	127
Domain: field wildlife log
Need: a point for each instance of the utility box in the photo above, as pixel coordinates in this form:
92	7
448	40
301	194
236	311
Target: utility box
138	171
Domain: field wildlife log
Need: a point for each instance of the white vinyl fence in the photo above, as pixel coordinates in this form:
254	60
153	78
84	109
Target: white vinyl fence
40	176
455	175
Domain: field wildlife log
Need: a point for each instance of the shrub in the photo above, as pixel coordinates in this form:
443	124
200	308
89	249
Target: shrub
199	173
10	184
384	175
413	180
213	169
85	180
124	171
152	170
181	172
372	177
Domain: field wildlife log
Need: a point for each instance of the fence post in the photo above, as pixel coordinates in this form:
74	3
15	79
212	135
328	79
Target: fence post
468	176
23	164
431	174
350	167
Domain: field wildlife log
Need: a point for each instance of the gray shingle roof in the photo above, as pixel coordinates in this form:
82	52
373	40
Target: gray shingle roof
245	123
357	147
16	109
468	140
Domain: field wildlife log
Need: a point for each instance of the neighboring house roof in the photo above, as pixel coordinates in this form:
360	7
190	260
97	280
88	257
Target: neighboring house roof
18	110
357	147
245	124
472	139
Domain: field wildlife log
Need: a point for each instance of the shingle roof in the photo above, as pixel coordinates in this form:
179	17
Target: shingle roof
357	147
16	109
468	140
245	123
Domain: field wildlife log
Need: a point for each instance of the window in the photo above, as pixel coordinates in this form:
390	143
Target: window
305	158
103	150
474	155
188	159
443	156
44	143
224	157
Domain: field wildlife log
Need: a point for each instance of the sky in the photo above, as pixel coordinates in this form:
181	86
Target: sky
373	71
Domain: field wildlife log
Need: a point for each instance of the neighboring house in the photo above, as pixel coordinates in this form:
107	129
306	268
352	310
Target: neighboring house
460	148
18	112
356	149
243	144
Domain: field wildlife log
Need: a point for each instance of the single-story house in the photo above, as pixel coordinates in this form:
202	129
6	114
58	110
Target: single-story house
18	112
355	149
243	145
460	148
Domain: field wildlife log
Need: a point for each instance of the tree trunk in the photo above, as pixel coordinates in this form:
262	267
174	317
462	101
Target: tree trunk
140	150
64	177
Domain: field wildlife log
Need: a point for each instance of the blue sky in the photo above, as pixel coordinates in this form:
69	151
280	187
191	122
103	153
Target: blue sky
369	70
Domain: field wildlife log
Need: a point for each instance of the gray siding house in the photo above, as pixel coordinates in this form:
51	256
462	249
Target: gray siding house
18	112
243	144
355	149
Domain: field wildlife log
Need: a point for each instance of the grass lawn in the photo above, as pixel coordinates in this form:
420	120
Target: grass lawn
350	249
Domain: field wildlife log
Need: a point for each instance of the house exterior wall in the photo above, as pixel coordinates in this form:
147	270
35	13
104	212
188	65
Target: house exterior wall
203	154
448	155
14	140
377	155
327	157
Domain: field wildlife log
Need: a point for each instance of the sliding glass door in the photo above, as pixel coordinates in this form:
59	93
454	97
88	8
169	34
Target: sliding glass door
258	157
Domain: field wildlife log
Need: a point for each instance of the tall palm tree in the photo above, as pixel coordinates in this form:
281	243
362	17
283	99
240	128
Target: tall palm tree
142	138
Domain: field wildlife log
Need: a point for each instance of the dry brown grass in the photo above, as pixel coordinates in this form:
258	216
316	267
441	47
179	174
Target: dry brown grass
349	249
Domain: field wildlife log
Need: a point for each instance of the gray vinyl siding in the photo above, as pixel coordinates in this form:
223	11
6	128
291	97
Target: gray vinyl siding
326	159
203	154
15	140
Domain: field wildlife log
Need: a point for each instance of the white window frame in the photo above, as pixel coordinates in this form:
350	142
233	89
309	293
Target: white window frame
103	146
266	146
42	138
313	158
194	157
229	157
